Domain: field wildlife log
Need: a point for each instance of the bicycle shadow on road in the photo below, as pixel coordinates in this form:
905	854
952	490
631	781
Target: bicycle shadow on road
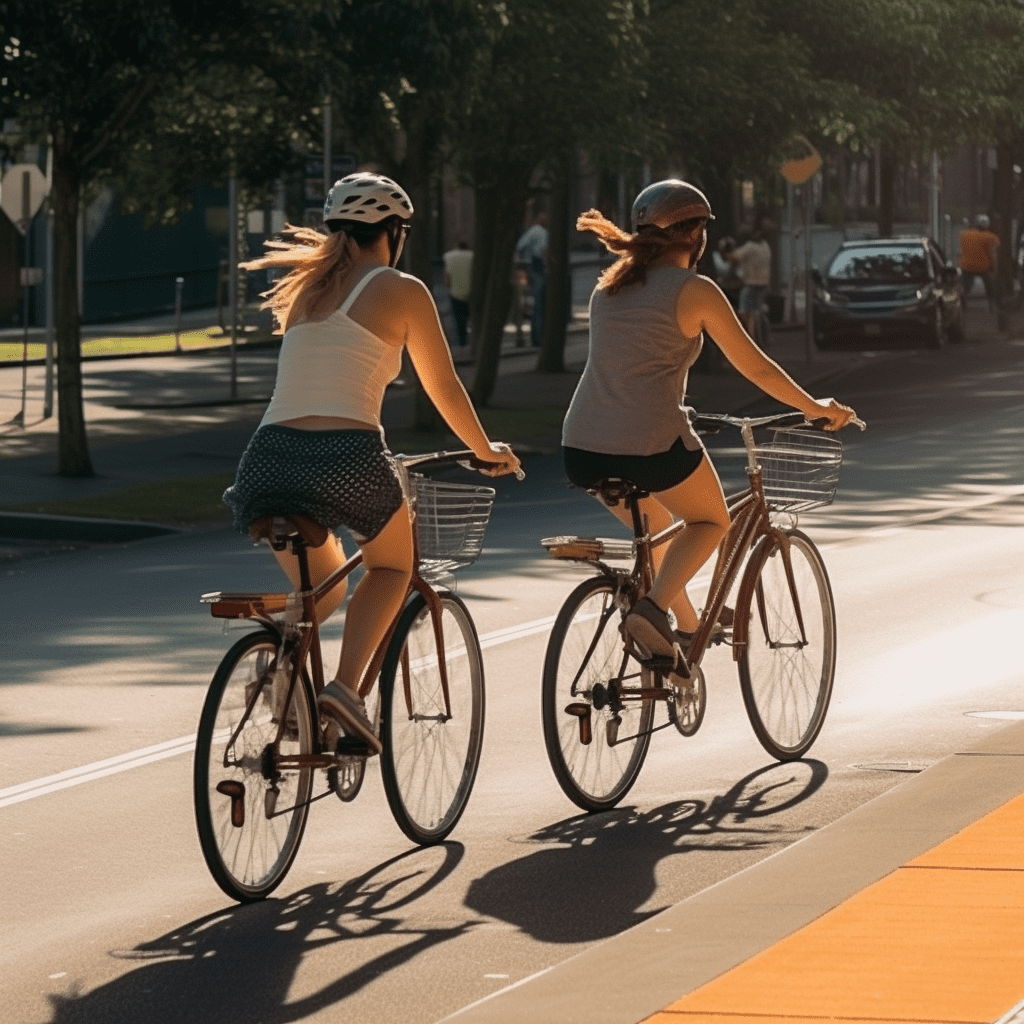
241	963
597	871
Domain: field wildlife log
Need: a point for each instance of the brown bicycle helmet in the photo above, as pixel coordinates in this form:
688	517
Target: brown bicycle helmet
668	202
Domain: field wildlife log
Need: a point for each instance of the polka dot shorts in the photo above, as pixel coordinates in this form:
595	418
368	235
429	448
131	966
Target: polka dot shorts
335	477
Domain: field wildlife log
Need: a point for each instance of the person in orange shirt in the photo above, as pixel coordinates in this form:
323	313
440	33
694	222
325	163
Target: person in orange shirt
979	250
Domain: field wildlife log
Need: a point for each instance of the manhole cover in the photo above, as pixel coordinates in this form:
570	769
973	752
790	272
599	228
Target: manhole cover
1006	716
893	766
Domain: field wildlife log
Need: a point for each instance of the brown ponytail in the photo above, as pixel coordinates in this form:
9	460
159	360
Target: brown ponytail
637	251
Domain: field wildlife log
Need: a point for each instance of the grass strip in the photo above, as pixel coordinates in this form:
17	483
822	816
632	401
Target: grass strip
11	351
196	500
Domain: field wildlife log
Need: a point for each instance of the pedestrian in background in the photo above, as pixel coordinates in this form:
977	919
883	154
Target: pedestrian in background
532	254
979	253
725	270
458	278
753	262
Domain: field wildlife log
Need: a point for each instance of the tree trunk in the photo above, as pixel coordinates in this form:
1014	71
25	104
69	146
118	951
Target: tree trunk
558	303
1003	199
502	201
417	172
73	449
886	191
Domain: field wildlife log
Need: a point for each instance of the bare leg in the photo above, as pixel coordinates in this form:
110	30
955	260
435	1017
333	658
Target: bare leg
698	501
322	562
378	597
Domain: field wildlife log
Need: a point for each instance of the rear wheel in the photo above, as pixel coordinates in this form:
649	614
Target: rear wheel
596	743
250	810
431	746
788	662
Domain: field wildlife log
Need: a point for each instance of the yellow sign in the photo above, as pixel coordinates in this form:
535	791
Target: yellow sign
802	168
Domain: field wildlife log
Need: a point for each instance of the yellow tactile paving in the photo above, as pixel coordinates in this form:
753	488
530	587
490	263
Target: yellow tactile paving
927	943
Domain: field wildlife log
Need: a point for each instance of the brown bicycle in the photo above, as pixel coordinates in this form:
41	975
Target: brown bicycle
600	693
263	754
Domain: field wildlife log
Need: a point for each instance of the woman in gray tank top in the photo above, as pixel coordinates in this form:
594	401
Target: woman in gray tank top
628	419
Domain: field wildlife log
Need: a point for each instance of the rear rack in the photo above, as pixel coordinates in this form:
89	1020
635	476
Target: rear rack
588	549
244	606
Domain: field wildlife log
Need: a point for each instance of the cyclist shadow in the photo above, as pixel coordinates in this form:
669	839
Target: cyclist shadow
598	870
239	964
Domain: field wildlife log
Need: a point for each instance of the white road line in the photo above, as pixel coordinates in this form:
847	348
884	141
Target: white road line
186	744
96	770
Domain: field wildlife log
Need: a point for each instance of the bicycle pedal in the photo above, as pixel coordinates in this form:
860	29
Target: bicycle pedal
352	746
236	791
582	712
612	730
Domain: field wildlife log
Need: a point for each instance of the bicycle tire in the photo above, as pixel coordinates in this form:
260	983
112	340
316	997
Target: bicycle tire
430	760
787	683
585	642
250	835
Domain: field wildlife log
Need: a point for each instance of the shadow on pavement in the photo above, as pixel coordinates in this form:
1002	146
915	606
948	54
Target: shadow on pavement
597	871
241	963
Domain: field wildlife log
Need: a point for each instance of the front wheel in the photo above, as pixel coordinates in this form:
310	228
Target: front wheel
431	744
596	743
250	807
788	662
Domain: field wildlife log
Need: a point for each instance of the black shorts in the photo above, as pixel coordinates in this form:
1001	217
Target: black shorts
335	477
653	473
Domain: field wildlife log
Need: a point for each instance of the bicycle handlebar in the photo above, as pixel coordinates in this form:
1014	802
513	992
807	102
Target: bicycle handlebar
712	422
465	458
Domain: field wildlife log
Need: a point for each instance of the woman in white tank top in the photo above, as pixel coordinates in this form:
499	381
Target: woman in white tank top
346	315
627	418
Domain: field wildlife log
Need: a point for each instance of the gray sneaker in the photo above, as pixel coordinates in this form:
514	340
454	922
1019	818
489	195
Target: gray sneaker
649	627
349	711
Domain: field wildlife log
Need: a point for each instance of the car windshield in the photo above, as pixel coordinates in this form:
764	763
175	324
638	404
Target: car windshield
895	264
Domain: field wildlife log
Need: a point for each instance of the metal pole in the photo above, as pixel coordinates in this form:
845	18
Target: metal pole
933	197
328	176
179	283
791	269
808	280
232	275
26	227
50	309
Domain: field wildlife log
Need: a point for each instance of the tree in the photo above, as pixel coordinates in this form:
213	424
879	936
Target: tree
403	88
118	85
558	75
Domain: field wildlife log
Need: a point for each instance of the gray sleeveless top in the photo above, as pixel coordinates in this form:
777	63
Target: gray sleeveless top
629	400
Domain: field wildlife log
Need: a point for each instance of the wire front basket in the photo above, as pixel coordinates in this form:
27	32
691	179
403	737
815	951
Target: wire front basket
799	469
451	520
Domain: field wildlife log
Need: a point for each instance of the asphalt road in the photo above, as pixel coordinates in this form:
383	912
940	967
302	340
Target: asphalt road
109	914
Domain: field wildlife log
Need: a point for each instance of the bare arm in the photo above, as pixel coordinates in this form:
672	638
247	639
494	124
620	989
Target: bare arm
432	359
701	306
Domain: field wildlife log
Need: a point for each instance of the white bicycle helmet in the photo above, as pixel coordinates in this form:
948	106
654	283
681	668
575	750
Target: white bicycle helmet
668	202
369	198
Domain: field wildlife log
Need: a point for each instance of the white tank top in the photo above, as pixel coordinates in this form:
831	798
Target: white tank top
333	367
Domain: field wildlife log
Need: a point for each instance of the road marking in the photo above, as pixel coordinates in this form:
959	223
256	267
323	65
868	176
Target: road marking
96	770
186	744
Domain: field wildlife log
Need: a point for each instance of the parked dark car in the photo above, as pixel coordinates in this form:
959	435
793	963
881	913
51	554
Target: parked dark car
888	292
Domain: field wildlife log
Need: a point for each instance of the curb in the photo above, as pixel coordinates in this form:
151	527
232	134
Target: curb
39	526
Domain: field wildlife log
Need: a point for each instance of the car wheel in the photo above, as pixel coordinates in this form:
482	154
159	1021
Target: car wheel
957	332
937	334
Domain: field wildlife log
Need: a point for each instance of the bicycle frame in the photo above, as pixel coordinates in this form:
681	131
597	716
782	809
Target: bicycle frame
304	631
750	521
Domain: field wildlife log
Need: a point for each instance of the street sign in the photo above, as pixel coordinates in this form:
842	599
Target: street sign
805	163
17	178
